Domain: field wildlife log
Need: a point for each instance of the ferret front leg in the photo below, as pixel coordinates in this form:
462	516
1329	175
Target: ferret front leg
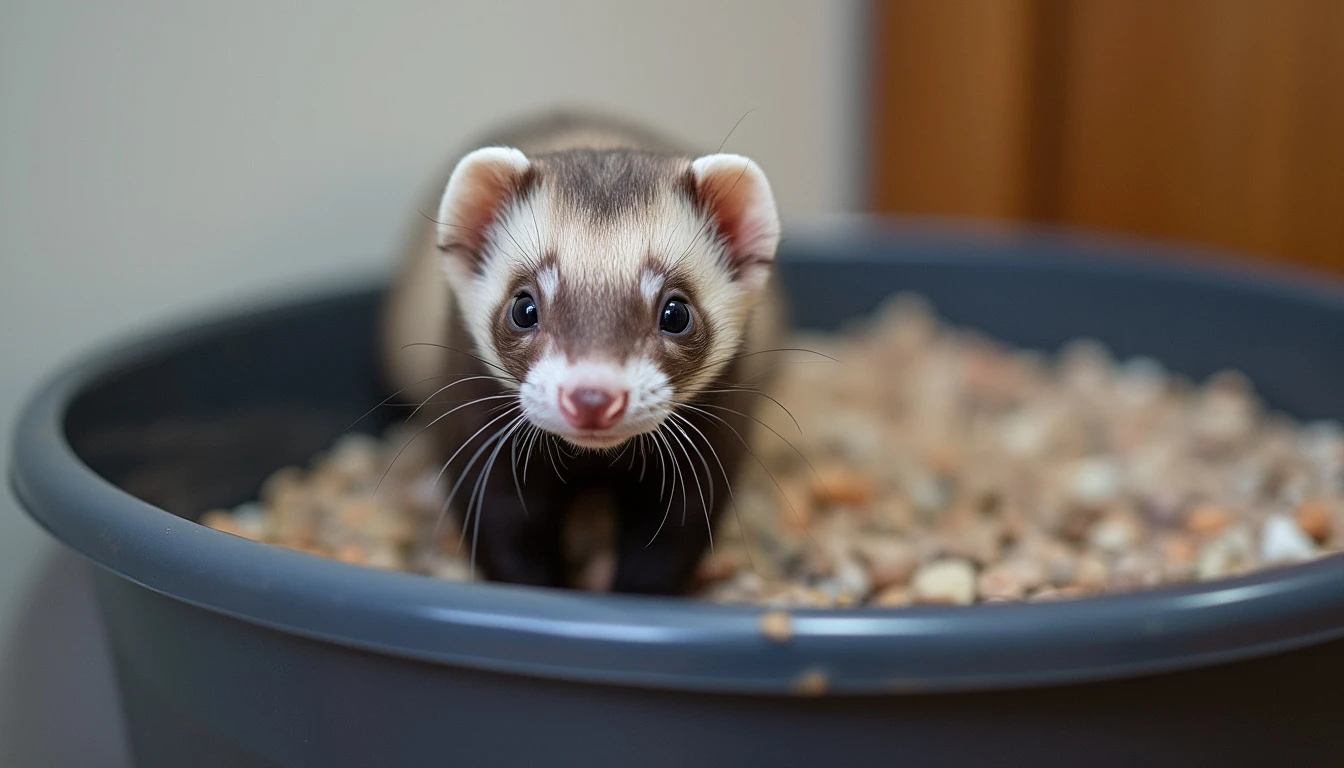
657	550
519	541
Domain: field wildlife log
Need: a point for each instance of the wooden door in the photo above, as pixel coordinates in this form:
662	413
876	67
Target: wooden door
1211	121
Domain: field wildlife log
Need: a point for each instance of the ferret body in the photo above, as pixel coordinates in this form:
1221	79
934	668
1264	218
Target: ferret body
579	309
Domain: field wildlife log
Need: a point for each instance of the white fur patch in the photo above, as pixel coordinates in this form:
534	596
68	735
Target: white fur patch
650	285
650	396
548	282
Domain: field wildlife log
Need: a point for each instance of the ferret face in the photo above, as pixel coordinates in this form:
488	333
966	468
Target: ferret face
609	284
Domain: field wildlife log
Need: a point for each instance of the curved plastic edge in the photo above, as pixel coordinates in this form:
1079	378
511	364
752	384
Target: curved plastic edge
652	642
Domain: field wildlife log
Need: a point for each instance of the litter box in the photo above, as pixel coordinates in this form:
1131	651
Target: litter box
233	653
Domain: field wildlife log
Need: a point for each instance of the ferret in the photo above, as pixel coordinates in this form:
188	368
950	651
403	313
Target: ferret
588	302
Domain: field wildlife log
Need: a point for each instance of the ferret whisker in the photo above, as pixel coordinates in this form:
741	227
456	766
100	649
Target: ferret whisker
727	483
531	259
516	244
466	471
446	224
417	405
667	511
749	391
536	229
483	482
388	400
700	232
704	505
635	445
530	444
478	232
467	442
531	449
458	482
430	402
704	227
625	446
495	440
695	238
425	428
752	452
561	451
684	440
724	143
550	442
506	377
662	464
774	367
776	433
735	358
685	502
672	234
703	463
468	515
499	407
513	463
677	475
643	457
445	388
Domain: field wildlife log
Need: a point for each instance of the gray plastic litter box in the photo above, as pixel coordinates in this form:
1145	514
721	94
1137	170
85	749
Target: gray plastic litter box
232	653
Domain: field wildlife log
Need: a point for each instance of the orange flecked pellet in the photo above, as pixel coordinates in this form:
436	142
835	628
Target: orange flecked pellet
1314	518
1207	520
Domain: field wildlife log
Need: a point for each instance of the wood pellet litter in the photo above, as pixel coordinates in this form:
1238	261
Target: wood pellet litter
944	469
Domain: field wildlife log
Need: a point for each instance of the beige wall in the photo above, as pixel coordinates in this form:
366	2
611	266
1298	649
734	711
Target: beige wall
157	158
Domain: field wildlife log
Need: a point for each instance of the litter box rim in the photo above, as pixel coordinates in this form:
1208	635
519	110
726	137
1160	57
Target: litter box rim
670	643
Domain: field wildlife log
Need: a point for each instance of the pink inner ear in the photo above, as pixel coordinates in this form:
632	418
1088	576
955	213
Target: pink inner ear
481	185
737	195
476	210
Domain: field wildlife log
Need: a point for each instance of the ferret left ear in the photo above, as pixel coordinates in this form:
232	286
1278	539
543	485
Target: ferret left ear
481	185
734	190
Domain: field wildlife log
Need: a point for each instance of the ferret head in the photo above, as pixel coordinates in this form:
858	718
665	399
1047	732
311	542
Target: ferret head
610	284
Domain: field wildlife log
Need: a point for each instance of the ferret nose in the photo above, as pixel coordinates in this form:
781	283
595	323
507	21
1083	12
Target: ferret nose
593	407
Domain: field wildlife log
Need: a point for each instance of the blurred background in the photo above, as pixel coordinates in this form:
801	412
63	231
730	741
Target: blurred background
164	159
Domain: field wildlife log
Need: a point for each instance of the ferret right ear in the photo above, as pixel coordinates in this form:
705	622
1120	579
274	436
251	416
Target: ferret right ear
735	193
481	185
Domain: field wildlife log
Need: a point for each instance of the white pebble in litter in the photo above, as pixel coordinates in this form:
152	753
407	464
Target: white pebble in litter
1282	541
451	570
850	579
1227	555
946	581
1094	482
1116	533
252	522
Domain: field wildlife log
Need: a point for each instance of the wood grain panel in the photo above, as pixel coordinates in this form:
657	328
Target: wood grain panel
951	103
1216	121
1206	120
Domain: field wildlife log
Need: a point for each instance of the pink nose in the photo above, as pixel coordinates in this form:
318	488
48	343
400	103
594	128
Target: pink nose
593	407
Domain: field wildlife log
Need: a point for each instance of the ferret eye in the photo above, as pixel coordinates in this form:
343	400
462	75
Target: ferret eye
676	318
523	313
